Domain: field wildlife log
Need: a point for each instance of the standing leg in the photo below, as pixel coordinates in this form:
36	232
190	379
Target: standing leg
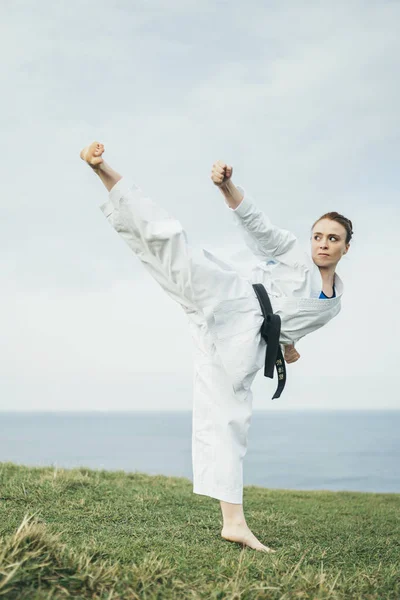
221	421
235	528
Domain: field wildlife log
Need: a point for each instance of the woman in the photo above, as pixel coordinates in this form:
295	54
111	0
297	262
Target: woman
225	316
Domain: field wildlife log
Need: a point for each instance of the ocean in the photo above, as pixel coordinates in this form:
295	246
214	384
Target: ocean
302	450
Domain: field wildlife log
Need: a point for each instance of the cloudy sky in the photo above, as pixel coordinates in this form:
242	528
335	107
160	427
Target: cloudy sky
301	97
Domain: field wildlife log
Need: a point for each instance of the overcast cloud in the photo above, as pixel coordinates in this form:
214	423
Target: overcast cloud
302	98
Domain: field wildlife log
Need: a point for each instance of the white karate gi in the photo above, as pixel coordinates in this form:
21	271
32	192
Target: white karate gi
225	318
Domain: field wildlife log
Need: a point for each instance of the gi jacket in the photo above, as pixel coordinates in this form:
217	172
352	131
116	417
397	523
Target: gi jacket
216	294
293	282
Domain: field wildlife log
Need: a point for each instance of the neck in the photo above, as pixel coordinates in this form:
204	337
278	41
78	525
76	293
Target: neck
328	274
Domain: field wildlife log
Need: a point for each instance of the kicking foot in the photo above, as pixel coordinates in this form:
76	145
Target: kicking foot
242	534
92	154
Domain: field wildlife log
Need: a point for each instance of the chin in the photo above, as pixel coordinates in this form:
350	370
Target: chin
321	262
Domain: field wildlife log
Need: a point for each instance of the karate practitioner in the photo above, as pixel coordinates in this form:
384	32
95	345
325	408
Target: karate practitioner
224	314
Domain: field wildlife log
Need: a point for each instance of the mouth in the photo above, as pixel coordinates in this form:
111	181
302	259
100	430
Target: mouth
323	254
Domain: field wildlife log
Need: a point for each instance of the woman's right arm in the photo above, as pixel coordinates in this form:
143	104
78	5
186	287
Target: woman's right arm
264	239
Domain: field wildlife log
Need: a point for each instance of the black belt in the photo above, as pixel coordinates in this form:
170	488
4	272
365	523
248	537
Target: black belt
270	332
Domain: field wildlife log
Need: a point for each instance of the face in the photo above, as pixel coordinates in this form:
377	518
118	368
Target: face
328	237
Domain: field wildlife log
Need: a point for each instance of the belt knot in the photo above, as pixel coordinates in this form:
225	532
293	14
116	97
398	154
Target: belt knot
270	332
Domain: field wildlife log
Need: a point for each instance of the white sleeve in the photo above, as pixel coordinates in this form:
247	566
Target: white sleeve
264	239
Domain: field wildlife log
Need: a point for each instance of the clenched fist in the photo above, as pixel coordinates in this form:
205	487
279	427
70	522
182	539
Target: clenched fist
221	172
291	354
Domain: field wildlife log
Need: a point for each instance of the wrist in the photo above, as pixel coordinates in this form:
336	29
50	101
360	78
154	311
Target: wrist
227	187
231	194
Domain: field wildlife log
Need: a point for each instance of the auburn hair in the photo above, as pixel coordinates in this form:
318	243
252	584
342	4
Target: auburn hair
335	216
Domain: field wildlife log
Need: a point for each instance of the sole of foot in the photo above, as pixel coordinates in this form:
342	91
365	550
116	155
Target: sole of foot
92	154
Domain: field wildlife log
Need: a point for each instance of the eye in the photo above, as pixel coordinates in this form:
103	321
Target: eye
330	237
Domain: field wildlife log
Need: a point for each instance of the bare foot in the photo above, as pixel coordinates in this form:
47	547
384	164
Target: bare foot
242	534
92	154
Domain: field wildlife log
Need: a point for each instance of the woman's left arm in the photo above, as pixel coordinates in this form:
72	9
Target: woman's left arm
291	354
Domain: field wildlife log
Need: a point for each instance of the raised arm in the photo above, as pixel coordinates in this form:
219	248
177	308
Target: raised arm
264	239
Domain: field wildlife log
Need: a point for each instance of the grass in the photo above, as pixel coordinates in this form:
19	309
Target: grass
81	533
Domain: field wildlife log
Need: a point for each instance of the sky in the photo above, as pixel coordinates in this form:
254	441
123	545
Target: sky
302	98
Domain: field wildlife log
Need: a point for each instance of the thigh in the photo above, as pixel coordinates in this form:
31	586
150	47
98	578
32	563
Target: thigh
221	417
159	240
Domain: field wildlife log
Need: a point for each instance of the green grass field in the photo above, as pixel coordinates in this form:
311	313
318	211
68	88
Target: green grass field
84	533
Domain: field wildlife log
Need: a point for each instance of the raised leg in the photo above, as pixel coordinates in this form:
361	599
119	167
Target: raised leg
160	242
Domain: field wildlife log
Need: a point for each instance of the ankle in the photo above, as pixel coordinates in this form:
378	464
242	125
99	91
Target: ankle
238	522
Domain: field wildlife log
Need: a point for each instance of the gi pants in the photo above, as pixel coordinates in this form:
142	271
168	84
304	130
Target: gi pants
221	416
